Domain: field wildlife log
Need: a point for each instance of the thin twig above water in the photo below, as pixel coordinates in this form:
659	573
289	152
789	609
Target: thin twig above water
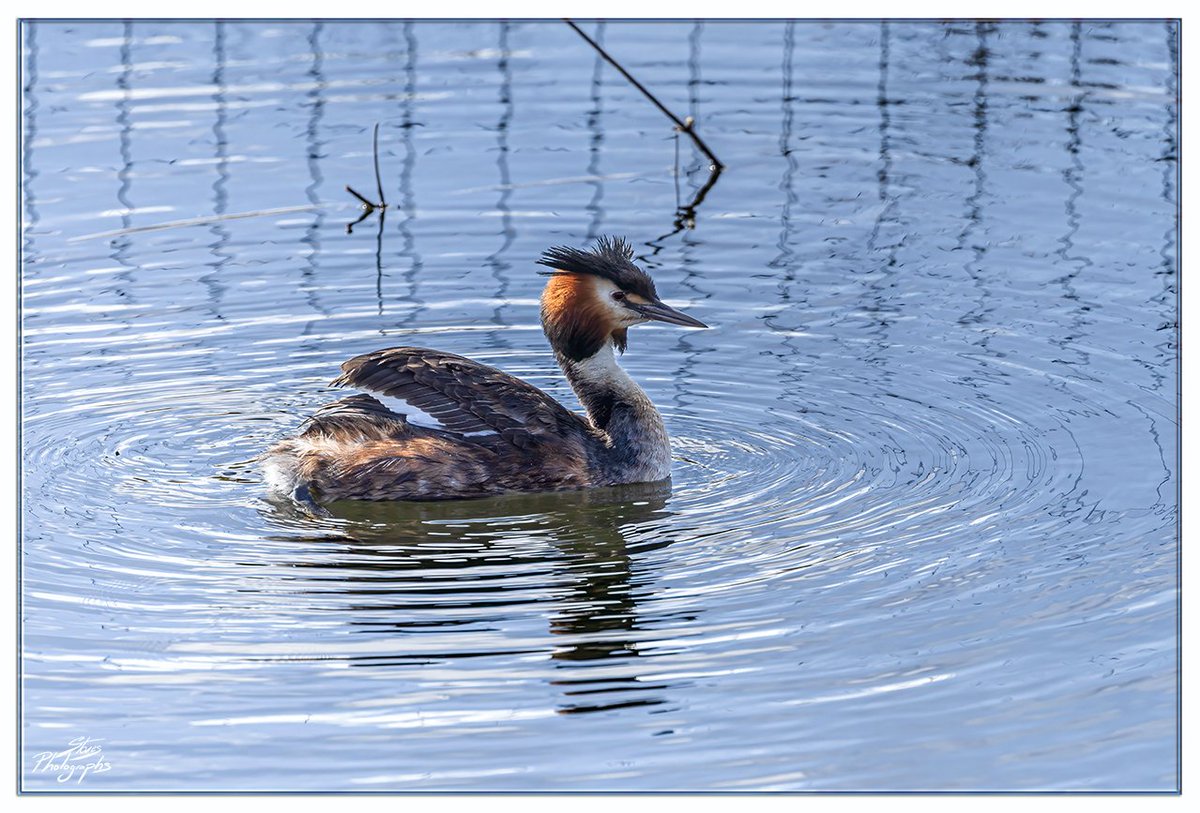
684	125
685	215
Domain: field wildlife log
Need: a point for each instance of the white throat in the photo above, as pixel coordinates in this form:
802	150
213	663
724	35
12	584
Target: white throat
601	371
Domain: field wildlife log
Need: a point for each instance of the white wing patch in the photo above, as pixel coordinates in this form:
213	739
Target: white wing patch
418	417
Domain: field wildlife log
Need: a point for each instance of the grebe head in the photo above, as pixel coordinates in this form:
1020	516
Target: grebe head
596	296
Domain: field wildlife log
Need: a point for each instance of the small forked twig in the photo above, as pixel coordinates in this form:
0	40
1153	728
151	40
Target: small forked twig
369	206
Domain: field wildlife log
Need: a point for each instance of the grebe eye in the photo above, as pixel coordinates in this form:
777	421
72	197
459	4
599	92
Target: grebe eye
618	295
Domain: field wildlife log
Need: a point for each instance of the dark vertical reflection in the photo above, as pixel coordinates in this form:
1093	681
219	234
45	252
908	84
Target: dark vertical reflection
498	265
1170	169
685	343
694	83
974	210
792	391
121	244
408	204
1068	253
875	290
378	261
596	128
884	174
785	259
28	134
685	374
1164	369
316	112
219	246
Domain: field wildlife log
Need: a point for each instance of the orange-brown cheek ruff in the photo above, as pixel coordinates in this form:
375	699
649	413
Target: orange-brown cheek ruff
575	318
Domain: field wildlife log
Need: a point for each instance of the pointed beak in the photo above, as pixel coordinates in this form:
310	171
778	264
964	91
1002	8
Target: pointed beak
662	312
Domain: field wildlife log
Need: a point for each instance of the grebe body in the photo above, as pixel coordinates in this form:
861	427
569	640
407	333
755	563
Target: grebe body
498	433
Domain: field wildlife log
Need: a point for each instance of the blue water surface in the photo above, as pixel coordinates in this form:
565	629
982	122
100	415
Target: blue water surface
922	528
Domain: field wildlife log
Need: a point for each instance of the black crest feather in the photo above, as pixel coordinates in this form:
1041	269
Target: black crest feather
612	259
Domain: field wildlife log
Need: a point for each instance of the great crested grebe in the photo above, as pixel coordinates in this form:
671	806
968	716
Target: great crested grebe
499	433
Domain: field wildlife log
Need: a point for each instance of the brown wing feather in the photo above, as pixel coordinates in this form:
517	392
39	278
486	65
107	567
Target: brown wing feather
464	395
357	416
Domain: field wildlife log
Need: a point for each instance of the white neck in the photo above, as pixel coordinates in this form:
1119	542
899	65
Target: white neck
601	371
